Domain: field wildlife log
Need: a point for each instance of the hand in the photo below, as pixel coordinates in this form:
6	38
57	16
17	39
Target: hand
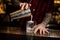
24	6
41	28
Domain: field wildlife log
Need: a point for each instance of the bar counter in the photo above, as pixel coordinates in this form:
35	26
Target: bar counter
15	33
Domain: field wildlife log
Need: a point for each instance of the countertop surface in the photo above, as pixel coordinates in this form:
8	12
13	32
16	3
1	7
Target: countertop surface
17	31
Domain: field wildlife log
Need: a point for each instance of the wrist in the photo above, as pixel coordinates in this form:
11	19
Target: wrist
43	24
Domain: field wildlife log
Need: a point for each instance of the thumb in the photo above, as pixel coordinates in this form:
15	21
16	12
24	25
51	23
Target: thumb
35	27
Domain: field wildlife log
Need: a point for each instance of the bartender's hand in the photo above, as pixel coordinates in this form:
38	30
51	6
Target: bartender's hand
24	6
41	28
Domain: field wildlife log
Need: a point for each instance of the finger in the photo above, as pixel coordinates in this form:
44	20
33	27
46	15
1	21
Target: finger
47	31
22	7
21	4
35	27
40	32
35	31
43	31
29	4
26	7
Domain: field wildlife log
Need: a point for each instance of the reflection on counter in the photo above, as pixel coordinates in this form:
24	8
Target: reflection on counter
17	31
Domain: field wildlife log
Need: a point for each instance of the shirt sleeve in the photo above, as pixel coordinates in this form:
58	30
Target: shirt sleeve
50	6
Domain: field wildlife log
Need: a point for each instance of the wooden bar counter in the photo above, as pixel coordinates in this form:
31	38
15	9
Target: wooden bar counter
15	33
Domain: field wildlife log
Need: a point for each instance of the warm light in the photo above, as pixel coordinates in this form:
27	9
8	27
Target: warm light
57	1
59	9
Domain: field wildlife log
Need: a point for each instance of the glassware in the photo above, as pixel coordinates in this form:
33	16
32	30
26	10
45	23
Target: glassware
29	26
